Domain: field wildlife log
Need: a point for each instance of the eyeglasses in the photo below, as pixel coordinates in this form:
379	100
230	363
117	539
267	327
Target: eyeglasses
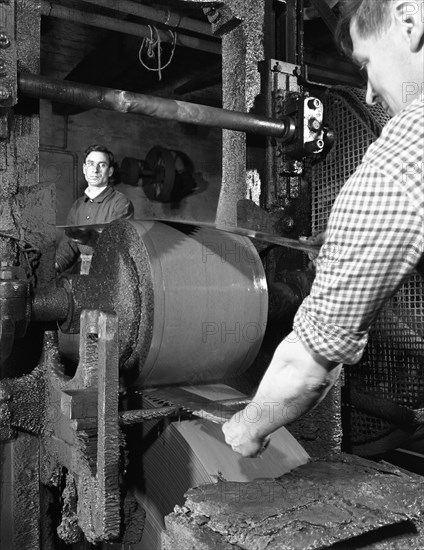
95	165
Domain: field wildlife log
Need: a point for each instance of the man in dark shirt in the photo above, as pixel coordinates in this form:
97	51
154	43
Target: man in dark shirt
101	203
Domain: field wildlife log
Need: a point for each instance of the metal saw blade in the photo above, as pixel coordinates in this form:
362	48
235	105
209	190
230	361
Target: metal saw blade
88	234
83	234
272	238
216	411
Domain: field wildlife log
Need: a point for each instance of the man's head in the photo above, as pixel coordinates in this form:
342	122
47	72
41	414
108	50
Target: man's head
98	165
386	39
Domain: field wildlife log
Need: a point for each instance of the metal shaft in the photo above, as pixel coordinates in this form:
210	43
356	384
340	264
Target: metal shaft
126	27
91	97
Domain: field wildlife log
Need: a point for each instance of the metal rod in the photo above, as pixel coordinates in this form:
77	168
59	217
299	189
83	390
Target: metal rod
160	15
126	27
92	97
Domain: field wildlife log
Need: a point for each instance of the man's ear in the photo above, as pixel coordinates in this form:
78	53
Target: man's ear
111	171
410	14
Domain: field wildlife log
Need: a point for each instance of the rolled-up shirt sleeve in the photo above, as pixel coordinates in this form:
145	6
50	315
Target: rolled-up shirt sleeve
374	242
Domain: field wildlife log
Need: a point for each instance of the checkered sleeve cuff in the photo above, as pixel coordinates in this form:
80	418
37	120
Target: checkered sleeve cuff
333	342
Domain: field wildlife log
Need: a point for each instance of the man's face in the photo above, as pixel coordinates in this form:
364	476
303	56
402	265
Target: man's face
384	58
96	169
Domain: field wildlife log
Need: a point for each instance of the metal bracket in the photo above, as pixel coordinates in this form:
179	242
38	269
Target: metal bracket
221	18
89	446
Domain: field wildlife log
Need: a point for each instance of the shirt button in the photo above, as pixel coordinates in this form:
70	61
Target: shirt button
88	217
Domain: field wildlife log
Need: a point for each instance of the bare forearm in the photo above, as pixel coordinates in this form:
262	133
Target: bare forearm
294	383
286	393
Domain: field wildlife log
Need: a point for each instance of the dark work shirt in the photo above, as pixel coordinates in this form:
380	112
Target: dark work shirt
109	205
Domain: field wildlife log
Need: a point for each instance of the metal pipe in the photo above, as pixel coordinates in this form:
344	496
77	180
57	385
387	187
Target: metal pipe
91	97
126	27
163	16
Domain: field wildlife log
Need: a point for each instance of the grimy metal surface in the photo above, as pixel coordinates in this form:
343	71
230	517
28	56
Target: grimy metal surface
27	211
84	95
242	50
325	502
91	454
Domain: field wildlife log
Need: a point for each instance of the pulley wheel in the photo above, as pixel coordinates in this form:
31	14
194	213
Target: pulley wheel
132	169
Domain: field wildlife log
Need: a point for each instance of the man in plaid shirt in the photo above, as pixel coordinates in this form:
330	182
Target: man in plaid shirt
375	235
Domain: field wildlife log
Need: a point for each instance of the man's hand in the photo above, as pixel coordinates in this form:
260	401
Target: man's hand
318	239
239	436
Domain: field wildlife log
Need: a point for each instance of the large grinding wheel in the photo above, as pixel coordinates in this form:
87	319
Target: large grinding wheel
189	453
191	302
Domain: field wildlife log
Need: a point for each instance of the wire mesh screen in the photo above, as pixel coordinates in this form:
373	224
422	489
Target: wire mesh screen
392	367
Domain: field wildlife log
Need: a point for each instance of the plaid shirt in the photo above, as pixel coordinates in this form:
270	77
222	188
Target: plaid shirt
375	239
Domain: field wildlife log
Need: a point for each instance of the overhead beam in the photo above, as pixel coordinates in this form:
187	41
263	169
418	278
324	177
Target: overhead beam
165	17
127	27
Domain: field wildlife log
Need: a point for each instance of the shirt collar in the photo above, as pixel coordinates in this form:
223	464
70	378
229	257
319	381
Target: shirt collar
101	196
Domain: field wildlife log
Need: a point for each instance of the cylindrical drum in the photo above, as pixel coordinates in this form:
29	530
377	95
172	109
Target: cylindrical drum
197	296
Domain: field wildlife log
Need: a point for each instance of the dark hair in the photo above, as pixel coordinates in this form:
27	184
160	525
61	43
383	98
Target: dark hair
100	149
371	17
